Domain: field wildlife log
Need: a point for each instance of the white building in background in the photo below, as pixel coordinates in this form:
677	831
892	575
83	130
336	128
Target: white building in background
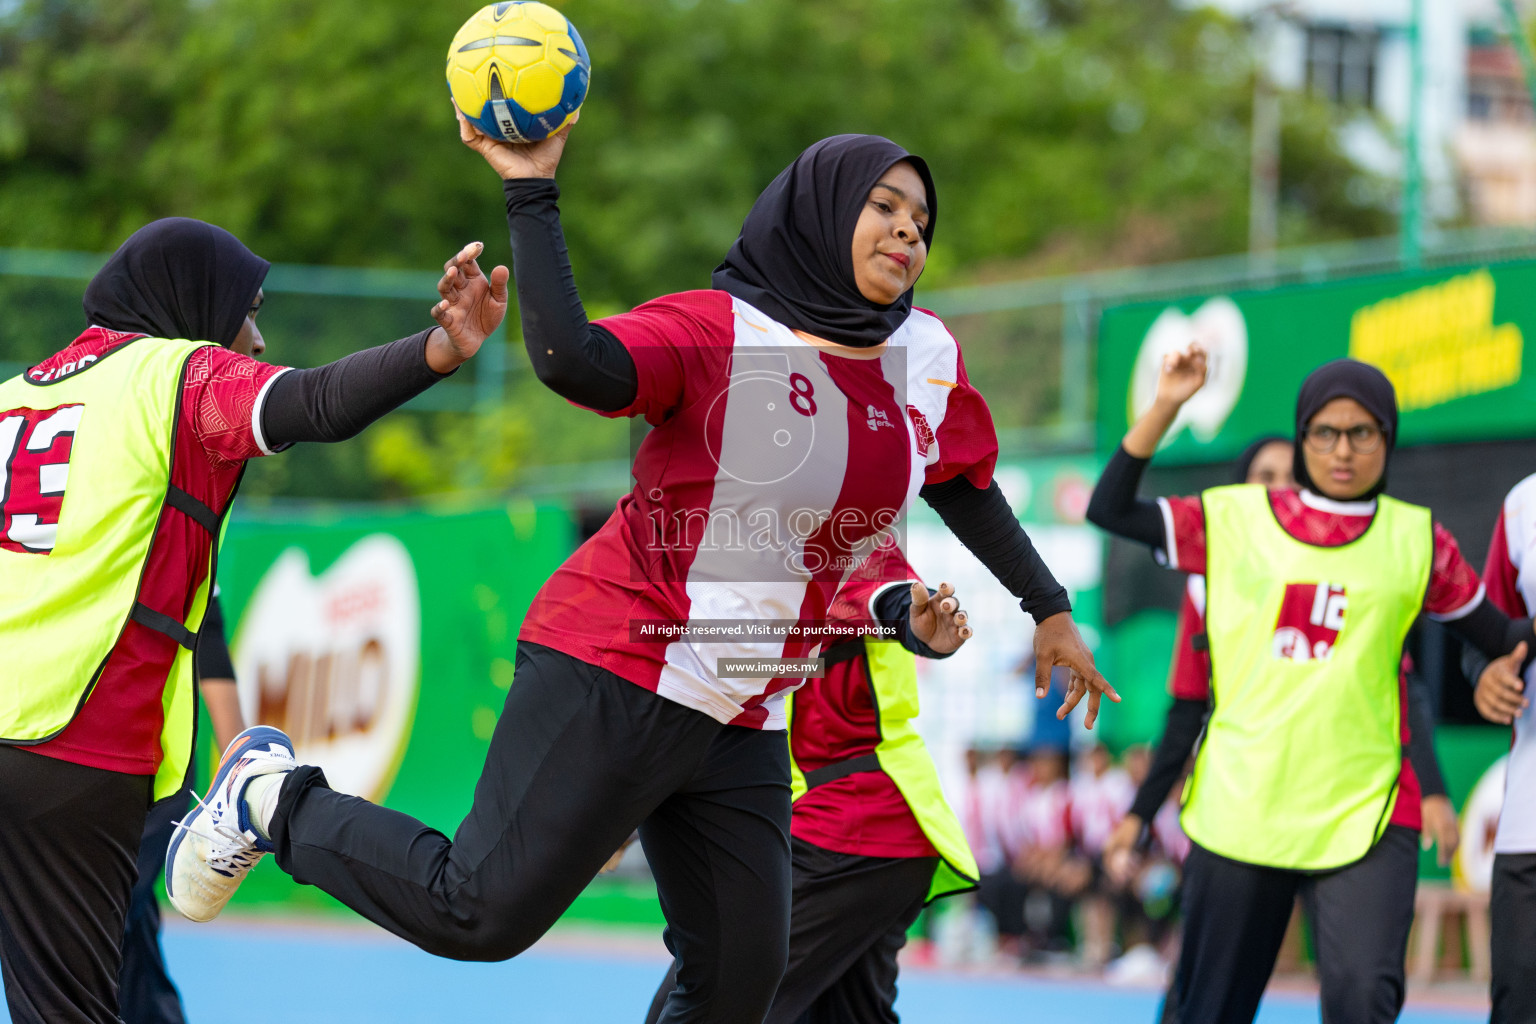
1477	135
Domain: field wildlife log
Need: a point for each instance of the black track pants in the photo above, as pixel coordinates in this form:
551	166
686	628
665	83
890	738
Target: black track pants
69	836
145	992
579	758
849	919
1235	916
1514	938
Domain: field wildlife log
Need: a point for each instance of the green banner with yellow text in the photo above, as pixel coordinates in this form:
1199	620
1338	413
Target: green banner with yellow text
1455	343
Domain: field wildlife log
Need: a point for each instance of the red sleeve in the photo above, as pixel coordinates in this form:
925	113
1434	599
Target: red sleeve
967	438
678	342
1189	674
1184	525
219	401
1499	575
885	567
1454	588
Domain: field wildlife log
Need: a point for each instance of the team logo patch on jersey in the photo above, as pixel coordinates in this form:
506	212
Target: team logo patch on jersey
1311	618
877	418
921	430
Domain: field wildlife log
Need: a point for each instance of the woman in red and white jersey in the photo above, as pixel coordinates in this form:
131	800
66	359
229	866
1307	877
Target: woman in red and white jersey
1303	671
1510	575
798	407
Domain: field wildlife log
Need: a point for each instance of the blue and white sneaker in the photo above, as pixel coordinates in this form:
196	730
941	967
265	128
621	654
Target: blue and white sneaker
216	845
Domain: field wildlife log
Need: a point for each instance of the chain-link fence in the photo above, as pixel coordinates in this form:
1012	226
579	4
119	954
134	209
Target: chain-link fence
1028	346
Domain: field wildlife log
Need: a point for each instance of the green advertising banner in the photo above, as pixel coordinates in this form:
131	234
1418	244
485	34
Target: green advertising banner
383	643
1455	344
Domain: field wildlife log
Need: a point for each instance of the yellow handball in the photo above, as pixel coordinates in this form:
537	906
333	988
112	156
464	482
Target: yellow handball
518	71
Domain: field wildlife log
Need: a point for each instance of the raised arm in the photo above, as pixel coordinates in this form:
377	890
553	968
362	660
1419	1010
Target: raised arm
1114	506
578	361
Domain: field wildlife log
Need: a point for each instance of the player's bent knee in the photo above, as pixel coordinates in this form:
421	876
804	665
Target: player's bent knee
1368	999
489	943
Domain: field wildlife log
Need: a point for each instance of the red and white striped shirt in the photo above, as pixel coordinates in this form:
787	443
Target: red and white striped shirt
1511	579
774	461
1099	803
1038	815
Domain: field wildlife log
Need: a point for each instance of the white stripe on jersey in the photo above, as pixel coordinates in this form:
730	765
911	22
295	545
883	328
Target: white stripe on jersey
805	491
1517	821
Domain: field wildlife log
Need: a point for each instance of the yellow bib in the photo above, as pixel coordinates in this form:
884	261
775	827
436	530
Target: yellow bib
902	755
87	459
1302	753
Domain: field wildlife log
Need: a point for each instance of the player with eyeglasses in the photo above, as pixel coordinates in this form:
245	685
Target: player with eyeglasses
1309	595
1362	438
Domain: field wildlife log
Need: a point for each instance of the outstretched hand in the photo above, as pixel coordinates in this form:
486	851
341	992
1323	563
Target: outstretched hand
516	159
1119	855
1440	827
1182	374
938	621
1500	693
473	306
1057	642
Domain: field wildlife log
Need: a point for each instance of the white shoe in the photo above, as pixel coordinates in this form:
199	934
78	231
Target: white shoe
1140	965
216	845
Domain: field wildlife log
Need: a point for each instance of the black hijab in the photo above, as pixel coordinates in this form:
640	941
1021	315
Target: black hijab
794	258
1245	461
1346	378
177	278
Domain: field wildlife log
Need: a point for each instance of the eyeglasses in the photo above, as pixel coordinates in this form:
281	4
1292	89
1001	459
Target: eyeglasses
1364	438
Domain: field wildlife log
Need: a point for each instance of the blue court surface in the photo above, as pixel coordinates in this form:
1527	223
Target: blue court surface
326	974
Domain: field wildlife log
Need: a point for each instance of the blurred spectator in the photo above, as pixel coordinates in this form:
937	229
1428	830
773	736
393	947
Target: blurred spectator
1101	795
1039	835
1031	894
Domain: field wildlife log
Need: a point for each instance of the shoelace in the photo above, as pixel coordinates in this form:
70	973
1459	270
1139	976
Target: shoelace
233	851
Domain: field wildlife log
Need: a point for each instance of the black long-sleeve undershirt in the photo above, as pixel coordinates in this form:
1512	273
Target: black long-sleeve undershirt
1421	741
983	521
1180	732
586	364
1115	506
578	361
213	661
336	401
1474	661
894	605
1488	631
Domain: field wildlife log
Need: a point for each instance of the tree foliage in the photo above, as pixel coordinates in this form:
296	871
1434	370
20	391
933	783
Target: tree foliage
1062	133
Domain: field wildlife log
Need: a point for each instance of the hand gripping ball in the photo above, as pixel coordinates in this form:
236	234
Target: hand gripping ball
518	71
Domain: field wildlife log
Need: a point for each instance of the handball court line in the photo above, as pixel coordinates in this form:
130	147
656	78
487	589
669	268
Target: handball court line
332	973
